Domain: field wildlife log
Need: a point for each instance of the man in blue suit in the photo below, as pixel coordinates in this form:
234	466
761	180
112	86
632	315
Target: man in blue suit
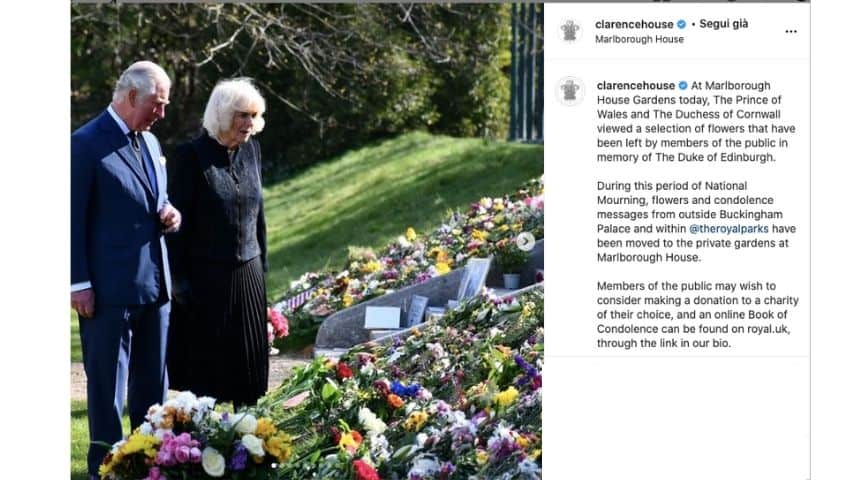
120	283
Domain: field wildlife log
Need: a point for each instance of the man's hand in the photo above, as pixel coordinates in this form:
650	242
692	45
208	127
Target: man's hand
84	302
170	217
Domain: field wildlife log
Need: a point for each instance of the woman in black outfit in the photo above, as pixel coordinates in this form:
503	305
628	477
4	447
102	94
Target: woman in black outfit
218	338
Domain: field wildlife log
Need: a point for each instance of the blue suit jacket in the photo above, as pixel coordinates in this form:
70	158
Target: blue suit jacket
116	239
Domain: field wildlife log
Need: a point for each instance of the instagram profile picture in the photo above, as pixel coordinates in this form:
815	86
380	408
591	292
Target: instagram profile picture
569	91
570	31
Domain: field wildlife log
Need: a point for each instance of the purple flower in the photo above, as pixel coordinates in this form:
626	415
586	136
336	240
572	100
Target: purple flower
182	454
238	460
503	448
422	277
446	470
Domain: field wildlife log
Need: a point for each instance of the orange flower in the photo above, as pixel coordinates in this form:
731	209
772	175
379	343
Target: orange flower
394	401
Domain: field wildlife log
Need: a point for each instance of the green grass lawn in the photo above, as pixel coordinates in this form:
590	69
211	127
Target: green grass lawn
80	438
76	354
369	196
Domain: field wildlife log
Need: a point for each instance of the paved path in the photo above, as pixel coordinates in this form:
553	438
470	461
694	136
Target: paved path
280	368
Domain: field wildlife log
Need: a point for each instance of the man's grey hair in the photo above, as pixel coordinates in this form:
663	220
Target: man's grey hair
228	97
142	76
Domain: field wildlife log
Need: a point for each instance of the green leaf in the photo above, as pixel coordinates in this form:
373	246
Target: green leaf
329	390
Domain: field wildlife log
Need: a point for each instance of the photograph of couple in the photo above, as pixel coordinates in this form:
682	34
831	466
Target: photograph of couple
255	186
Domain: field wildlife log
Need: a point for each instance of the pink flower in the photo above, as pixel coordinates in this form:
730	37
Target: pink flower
180	449
165	457
182	454
279	323
153	474
195	455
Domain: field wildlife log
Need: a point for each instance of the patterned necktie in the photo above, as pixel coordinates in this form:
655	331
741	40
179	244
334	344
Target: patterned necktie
134	143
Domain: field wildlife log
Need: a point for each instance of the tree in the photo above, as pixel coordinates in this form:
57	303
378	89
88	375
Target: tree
334	75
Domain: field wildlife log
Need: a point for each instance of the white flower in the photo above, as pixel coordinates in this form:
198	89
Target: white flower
420	439
253	444
212	462
185	401
367	369
424	466
206	403
379	447
204	406
117	446
529	468
500	433
245	423
424	394
373	424
394	356
146	429
403	242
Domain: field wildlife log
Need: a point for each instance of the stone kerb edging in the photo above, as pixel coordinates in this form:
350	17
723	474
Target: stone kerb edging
345	328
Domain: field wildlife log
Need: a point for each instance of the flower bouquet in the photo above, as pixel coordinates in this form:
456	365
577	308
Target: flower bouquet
277	328
188	438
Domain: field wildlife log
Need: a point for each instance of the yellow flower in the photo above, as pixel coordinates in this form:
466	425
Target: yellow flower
479	234
528	309
522	441
442	268
265	428
498	205
410	234
477	389
372	266
279	446
536	454
481	456
138	442
347	299
504	350
442	257
416	421
503	228
507	397
517	227
350	441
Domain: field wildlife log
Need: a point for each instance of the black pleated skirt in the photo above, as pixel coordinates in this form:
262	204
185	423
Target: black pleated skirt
218	344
